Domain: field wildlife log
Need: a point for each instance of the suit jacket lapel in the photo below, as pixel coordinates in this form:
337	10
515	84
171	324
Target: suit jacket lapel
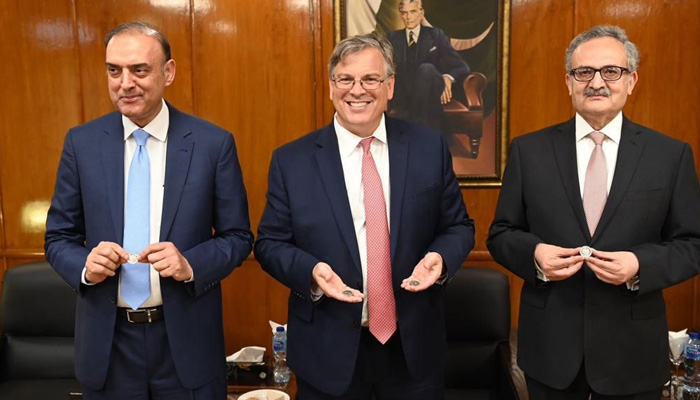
401	50
112	157
564	149
177	166
628	155
398	164
425	43
330	169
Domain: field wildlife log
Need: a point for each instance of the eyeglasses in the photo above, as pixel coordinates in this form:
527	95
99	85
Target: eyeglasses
607	73
367	83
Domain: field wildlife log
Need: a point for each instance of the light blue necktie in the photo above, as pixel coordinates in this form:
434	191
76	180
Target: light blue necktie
135	278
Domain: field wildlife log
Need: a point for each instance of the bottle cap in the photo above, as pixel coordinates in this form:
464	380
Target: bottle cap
694	335
280	329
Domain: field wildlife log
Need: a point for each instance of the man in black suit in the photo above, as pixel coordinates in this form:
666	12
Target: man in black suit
428	69
592	313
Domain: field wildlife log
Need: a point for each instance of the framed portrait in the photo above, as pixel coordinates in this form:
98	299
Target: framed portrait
451	72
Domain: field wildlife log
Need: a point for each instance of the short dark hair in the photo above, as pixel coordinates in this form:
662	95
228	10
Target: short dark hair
356	44
146	29
603	31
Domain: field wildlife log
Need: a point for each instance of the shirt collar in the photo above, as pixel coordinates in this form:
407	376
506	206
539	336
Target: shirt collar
613	130
416	32
158	128
348	141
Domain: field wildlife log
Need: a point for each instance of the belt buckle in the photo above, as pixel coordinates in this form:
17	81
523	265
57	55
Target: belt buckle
128	316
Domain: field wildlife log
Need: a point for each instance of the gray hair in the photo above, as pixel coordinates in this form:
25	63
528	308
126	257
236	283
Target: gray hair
602	31
356	44
144	28
402	2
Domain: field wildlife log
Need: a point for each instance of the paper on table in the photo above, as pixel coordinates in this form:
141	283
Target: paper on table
250	354
676	342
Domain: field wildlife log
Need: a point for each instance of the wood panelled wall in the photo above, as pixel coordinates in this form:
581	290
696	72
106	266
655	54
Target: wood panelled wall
258	68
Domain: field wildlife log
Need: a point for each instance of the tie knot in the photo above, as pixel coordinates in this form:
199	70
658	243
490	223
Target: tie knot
365	143
597	137
141	136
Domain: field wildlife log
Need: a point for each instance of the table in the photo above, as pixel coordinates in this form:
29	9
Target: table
235	390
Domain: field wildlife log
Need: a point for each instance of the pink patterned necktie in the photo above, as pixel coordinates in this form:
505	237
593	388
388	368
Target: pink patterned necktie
380	293
595	190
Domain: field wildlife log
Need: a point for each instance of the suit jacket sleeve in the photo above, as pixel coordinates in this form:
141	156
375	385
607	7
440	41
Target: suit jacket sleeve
676	256
275	248
510	242
65	223
214	259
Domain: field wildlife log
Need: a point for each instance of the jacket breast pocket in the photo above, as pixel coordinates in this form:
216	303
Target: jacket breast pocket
645	194
426	194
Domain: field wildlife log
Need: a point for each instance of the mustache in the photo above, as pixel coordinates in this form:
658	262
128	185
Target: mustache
600	92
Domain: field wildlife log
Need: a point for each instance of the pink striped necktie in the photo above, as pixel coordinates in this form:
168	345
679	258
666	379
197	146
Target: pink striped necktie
380	293
595	190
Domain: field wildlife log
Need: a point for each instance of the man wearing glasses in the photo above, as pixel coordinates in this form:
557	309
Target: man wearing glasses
365	223
597	215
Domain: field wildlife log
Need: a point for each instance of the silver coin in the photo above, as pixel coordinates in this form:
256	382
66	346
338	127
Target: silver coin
348	293
133	258
586	251
414	283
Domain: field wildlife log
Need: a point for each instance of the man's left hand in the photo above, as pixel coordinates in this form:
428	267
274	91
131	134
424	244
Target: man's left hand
425	273
447	93
168	261
614	267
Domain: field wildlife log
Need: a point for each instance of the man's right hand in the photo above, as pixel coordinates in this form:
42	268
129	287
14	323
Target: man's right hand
103	261
557	263
332	286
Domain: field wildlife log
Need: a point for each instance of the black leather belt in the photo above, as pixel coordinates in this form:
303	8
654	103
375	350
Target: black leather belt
142	315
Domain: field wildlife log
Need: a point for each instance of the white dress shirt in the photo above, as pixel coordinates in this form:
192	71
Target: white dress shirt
351	159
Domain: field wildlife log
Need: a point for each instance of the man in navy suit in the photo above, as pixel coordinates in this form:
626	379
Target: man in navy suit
428	69
171	346
361	324
597	215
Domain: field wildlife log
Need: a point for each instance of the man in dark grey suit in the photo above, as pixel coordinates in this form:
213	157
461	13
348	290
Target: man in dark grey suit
598	215
428	69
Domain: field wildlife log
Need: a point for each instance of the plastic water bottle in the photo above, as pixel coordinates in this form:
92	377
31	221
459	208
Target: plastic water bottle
691	383
279	348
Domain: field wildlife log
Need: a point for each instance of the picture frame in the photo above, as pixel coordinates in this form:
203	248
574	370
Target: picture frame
475	121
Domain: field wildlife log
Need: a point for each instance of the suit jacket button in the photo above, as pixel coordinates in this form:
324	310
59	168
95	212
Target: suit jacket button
113	300
355	324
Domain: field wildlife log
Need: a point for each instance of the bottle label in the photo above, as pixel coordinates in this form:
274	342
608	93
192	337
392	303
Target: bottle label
692	352
278	345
